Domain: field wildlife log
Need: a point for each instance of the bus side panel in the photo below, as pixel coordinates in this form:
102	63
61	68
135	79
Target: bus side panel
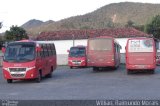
117	59
117	55
54	62
54	55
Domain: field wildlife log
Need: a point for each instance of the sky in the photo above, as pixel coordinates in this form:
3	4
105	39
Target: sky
17	12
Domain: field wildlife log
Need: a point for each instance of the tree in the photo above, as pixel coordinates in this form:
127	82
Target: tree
153	27
15	33
0	25
130	23
110	24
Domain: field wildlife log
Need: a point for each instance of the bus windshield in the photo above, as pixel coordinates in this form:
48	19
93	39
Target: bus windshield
77	52
142	45
100	44
19	52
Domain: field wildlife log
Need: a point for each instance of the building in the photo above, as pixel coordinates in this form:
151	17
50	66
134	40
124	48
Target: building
65	39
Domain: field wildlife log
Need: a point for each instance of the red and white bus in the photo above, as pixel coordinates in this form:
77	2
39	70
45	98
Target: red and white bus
140	54
77	57
103	52
28	60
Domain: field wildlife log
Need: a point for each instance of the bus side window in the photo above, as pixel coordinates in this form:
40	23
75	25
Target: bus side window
45	50
42	51
54	50
50	50
119	49
38	54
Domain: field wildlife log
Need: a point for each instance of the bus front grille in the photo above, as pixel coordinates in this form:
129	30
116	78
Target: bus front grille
76	61
17	69
18	75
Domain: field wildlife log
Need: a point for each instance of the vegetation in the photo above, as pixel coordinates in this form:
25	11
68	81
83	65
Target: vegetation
153	27
15	33
114	15
130	23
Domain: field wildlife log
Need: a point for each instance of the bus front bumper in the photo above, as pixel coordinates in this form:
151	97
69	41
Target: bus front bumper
101	64
140	67
28	74
77	63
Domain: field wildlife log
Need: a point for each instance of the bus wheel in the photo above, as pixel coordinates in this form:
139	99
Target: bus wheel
38	79
115	68
50	73
95	68
71	67
9	80
129	72
151	71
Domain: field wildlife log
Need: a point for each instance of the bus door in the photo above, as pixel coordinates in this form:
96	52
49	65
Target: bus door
45	60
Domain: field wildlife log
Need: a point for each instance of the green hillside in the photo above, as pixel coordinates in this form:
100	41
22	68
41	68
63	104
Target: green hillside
112	15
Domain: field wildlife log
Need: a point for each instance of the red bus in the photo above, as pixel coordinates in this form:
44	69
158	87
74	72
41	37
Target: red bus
28	60
77	57
140	54
103	52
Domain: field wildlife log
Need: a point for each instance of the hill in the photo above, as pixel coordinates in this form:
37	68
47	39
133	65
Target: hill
112	15
32	23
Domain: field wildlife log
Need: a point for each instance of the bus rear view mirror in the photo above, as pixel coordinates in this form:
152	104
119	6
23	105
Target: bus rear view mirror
68	51
38	49
3	49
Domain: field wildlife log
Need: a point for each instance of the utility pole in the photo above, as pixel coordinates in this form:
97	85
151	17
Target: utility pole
73	39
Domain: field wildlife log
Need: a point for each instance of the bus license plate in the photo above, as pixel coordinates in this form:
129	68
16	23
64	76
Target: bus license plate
141	66
77	63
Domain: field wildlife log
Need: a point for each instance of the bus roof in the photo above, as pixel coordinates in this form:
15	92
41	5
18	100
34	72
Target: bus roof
78	46
26	41
139	38
102	37
44	42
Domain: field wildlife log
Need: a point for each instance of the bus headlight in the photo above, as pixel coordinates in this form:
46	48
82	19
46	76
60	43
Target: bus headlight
69	60
7	69
30	68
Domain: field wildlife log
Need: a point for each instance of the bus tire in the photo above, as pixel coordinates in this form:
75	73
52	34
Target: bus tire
50	73
129	72
152	72
9	80
39	78
71	67
115	68
95	68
